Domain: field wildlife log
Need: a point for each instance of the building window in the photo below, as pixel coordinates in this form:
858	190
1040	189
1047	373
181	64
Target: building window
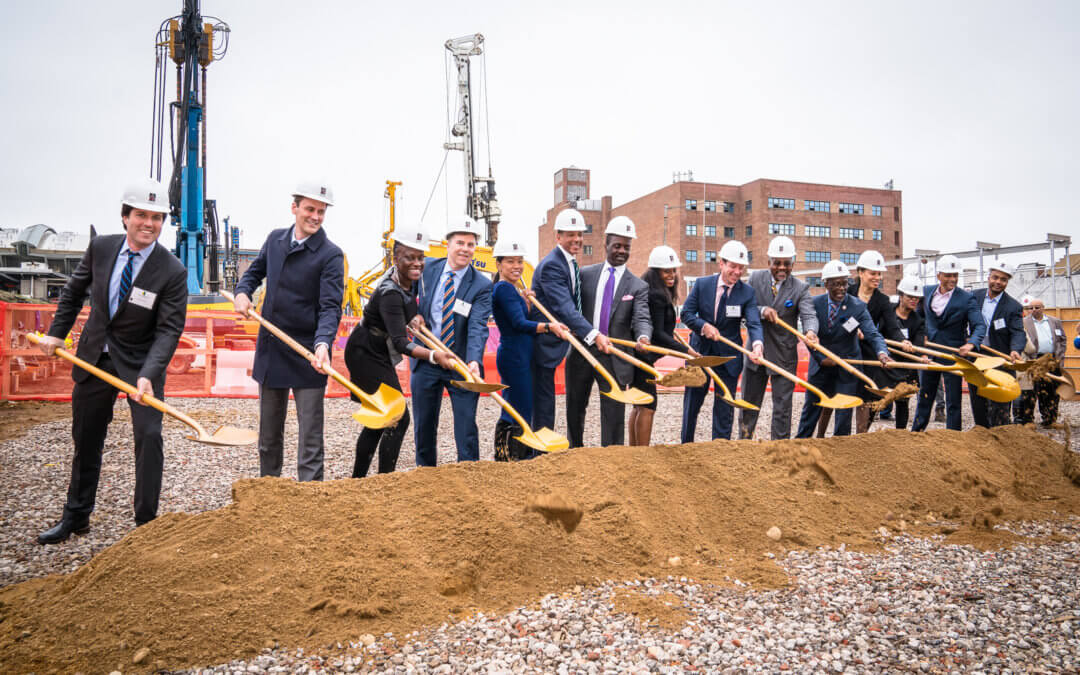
729	232
588	250
856	209
875	235
851	233
818	231
710	230
813	282
749	205
749	257
691	205
781	228
781	203
710	256
821	207
749	230
729	207
849	258
896	214
691	230
710	206
896	238
691	256
875	210
588	228
818	256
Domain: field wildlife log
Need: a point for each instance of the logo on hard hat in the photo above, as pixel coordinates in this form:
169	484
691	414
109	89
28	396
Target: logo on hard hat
780	248
627	228
419	236
515	246
322	191
573	221
152	197
671	258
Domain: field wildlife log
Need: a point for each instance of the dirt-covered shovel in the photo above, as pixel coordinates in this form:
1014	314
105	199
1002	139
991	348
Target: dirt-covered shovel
727	397
377	411
225	435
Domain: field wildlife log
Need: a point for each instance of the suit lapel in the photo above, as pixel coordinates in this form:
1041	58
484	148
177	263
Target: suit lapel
620	290
712	284
102	290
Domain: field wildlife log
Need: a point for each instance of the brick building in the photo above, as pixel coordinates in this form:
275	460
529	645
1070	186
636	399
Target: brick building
826	222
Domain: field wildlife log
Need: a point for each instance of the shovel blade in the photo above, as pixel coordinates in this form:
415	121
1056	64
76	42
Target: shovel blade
985	363
227	435
479	387
544	440
840	401
385	408
709	361
1002	387
1067	390
632	396
739	403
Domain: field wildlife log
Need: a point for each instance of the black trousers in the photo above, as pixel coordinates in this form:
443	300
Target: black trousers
579	383
91	412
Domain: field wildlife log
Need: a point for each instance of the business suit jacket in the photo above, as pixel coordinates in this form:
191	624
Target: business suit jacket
470	332
629	318
960	322
1006	329
304	287
141	341
842	338
699	310
791	302
1058	333
663	320
552	284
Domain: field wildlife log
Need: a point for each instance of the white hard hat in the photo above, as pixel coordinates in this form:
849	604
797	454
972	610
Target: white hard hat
466	225
947	264
147	194
781	247
735	252
1003	267
835	269
316	190
570	220
507	248
622	226
413	237
871	260
910	286
664	258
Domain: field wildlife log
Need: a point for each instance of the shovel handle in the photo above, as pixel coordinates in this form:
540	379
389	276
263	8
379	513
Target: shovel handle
123	386
712	373
778	370
634	361
817	346
652	348
921	350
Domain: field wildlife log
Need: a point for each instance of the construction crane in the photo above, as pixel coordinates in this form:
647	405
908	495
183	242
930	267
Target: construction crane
192	42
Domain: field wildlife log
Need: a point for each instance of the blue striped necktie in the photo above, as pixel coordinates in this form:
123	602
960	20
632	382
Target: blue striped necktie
125	279
448	312
577	287
833	309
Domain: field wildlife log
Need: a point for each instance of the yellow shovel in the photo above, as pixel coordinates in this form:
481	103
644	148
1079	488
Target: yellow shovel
1066	387
981	363
993	384
871	386
377	411
700	361
544	439
632	396
225	435
727	397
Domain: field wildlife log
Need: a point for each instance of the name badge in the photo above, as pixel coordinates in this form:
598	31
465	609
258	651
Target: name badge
734	311
999	324
851	324
904	332
461	307
144	299
1057	331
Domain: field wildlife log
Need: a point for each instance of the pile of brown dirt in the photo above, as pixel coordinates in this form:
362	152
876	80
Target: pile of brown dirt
902	390
685	376
308	564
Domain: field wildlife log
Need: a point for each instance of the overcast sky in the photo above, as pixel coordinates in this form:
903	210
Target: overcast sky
970	107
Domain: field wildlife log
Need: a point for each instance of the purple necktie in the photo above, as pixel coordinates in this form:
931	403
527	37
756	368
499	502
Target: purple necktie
605	306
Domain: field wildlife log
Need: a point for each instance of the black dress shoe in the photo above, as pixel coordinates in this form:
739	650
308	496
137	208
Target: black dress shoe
61	531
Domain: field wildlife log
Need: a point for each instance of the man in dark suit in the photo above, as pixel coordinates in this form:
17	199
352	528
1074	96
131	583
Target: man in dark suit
138	305
617	304
455	303
840	317
779	296
305	281
953	319
1004	318
718	305
557	285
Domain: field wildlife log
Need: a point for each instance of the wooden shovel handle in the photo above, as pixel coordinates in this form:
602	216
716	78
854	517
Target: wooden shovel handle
817	346
921	350
652	348
777	369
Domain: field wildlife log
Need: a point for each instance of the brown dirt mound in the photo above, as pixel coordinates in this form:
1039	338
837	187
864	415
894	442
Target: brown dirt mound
313	563
902	390
686	376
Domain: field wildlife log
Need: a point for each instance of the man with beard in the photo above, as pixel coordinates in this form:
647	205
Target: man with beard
1004	332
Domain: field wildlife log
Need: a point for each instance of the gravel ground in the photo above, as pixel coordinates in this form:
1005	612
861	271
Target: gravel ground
923	606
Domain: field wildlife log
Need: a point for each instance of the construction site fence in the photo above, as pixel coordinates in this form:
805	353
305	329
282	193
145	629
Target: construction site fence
217	352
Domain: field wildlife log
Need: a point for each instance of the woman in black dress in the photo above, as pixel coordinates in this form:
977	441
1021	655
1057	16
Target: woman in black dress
663	280
379	341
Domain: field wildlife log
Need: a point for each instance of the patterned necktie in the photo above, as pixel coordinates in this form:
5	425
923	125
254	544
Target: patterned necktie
774	290
577	287
833	309
721	302
125	279
605	306
293	245
448	312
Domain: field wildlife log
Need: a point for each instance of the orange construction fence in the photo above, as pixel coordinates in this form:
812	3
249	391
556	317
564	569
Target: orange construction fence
214	358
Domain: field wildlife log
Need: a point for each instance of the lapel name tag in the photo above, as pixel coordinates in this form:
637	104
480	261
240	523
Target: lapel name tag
851	324
904	332
733	311
1057	332
461	307
999	324
142	298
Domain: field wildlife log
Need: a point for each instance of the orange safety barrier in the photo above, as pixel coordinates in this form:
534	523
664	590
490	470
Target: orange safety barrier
214	358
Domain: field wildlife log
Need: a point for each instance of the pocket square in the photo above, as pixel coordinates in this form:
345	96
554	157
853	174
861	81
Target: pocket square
627	297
